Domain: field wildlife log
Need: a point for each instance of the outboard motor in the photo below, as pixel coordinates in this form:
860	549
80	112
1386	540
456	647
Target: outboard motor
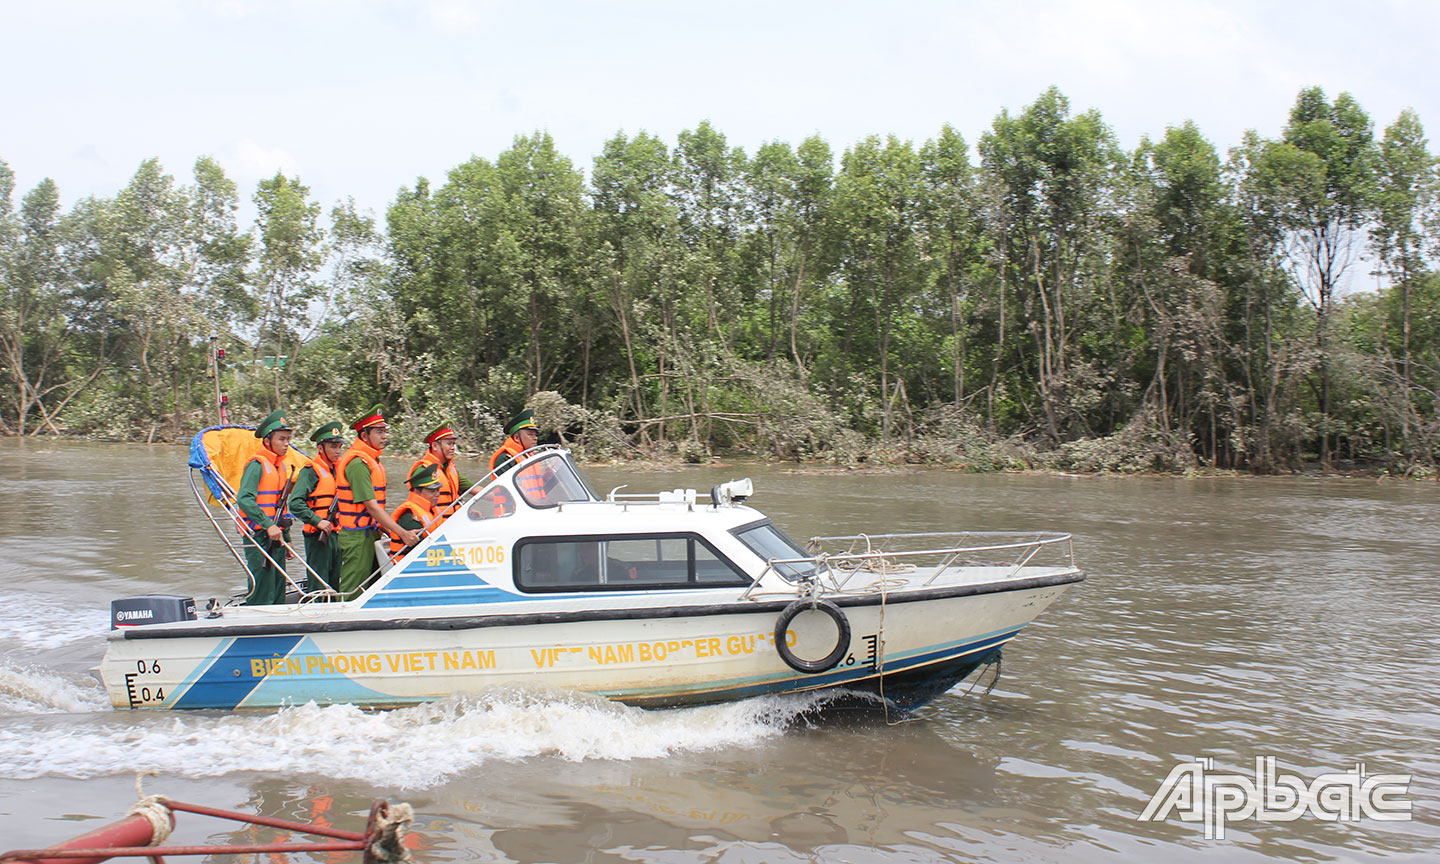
151	609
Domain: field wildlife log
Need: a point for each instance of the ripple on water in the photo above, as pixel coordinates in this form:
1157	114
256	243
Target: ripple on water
1224	618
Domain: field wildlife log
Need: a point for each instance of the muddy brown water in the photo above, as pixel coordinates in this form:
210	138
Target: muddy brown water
1226	618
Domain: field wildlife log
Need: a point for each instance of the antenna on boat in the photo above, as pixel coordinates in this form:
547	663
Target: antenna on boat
222	402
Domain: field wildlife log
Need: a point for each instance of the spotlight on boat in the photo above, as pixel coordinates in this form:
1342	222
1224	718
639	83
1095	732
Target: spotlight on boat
733	492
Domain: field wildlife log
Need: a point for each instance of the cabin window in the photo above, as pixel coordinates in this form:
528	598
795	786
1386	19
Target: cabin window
769	542
622	563
548	481
496	503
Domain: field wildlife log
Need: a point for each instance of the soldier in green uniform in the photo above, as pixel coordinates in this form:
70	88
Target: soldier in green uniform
313	503
417	512
360	492
260	500
521	435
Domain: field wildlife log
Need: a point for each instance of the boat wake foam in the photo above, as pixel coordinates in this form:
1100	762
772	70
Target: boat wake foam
33	691
410	748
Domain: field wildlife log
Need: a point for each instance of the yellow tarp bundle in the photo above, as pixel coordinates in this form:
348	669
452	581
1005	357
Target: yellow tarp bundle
229	448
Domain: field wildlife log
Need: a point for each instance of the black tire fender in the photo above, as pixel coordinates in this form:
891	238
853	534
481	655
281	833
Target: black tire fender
829	661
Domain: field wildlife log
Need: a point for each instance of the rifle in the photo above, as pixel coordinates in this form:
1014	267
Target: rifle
283	517
334	503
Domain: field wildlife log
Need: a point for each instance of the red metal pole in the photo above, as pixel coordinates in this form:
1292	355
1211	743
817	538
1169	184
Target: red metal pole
70	856
133	836
129	832
301	827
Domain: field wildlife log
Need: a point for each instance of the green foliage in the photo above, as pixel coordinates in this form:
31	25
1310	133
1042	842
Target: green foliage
1049	302
289	257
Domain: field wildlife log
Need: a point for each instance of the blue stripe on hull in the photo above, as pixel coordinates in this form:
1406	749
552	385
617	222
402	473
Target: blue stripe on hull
458	579
450	597
230	678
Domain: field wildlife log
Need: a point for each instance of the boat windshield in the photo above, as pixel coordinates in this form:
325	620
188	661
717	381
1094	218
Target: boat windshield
770	543
550	480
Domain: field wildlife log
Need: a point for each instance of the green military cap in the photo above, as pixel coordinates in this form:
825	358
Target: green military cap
423	477
329	432
273	422
524	420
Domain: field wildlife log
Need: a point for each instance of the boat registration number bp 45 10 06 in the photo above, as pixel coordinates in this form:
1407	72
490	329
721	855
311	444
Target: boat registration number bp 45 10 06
466	555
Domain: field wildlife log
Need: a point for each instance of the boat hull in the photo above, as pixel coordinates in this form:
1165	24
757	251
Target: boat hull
914	646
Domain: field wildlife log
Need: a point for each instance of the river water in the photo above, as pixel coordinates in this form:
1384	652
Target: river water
1225	618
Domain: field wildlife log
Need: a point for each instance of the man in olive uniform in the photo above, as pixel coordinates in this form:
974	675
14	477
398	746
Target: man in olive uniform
522	436
313	503
360	511
418	512
261	503
440	452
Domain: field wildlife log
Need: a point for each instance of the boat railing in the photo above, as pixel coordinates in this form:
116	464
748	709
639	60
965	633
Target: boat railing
626	500
483	485
228	505
386	562
891	556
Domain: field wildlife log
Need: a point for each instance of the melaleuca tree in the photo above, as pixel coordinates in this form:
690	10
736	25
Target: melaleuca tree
290	253
876	207
1047	176
790	191
34	284
1405	196
1317	184
954	239
637	235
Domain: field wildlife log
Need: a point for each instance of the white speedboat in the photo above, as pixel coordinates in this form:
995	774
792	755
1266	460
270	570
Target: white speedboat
657	600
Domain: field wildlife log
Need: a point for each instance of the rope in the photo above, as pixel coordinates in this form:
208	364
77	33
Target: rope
880	655
153	808
883	566
996	661
391	828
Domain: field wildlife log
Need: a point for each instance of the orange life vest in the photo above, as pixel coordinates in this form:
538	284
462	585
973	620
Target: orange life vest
422	510
319	500
349	515
504	502
532	484
510	448
449	478
272	483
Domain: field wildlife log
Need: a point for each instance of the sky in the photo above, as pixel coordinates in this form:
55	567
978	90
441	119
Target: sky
360	97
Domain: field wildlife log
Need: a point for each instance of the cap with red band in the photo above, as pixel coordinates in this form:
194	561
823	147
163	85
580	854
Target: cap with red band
442	432
374	418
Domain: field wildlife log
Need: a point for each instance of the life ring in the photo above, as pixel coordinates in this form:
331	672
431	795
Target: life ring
830	660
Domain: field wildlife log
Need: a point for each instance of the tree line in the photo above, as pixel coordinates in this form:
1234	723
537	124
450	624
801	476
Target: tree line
1047	299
